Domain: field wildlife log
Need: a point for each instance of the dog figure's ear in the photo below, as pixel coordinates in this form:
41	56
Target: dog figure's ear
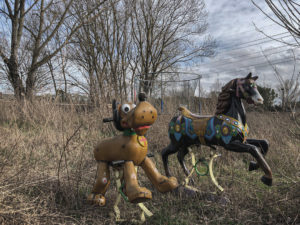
116	116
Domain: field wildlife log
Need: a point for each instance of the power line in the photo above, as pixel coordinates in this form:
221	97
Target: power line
253	65
248	54
248	31
248	42
263	42
241	60
199	76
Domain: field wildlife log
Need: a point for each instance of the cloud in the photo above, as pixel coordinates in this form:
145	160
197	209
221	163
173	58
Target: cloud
241	48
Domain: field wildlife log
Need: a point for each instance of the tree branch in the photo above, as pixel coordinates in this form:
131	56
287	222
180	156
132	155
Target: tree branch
9	9
5	59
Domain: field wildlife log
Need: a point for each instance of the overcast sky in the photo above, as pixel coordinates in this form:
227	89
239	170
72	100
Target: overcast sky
240	45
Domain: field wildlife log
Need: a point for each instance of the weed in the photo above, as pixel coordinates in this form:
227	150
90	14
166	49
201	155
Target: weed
47	169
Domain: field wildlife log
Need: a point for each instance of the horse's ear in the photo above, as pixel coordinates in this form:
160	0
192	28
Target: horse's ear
248	76
254	78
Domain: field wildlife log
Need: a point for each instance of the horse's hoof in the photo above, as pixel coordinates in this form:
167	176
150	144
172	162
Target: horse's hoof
266	180
253	166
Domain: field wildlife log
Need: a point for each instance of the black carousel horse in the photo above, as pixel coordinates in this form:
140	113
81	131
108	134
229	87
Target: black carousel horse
227	128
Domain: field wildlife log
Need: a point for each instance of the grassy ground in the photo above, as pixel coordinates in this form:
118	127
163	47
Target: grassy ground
47	170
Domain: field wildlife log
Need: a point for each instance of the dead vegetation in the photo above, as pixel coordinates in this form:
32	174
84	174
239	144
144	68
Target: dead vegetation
47	169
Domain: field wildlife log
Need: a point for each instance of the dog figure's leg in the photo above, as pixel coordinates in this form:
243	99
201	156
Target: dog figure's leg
161	183
134	192
101	185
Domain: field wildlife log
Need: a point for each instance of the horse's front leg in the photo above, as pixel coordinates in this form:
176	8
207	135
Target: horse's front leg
237	146
263	145
170	149
180	156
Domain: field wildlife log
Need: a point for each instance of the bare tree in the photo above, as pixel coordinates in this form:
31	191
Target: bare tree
288	88
102	51
59	72
32	26
166	33
216	87
285	13
138	37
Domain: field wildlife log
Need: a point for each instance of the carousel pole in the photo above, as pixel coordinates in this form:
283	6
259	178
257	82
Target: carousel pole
199	91
188	95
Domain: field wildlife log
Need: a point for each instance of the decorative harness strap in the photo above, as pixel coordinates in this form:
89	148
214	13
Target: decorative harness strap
239	86
234	122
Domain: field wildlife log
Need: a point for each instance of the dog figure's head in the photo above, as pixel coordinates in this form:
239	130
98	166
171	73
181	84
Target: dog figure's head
138	117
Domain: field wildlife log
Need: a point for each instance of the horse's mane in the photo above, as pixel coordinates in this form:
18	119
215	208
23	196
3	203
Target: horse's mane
224	97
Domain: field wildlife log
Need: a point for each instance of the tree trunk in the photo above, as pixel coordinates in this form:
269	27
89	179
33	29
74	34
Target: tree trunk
52	76
30	85
15	80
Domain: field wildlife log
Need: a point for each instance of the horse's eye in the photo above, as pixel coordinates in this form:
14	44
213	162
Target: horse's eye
125	108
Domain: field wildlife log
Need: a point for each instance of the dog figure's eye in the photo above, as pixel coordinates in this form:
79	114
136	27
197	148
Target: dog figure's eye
125	108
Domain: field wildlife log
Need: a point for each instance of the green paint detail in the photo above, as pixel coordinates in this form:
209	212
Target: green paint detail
122	193
182	129
206	167
172	127
218	131
129	132
234	131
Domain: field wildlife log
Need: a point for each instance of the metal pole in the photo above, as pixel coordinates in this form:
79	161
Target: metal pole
199	95
188	96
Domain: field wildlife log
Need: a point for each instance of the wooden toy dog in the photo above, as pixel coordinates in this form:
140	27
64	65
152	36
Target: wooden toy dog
131	148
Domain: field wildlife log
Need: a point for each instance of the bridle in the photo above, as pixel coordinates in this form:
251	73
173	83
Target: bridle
239	86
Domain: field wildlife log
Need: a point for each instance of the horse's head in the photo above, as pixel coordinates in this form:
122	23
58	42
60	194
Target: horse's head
247	89
137	117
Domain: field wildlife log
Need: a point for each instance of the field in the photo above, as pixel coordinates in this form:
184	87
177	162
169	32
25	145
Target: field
47	170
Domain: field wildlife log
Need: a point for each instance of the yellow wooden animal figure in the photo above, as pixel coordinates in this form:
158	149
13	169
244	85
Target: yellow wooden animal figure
130	147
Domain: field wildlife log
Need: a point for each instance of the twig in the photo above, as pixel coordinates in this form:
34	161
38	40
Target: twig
64	150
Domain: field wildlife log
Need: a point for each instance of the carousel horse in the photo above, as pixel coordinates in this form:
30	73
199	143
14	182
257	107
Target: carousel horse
130	149
227	128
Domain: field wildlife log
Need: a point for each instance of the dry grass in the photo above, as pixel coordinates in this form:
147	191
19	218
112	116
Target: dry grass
47	169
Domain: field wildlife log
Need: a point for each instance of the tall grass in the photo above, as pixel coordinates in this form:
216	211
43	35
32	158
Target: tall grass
47	169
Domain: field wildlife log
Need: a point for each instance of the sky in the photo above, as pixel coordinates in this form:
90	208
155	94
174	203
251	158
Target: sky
232	23
241	47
